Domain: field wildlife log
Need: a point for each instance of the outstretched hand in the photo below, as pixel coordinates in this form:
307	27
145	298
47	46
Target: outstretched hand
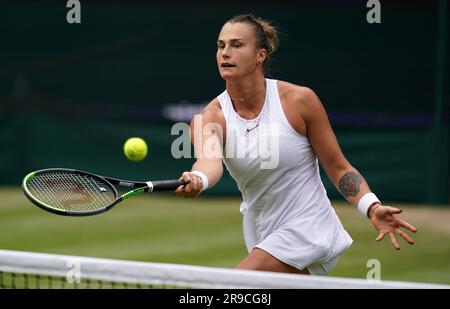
384	220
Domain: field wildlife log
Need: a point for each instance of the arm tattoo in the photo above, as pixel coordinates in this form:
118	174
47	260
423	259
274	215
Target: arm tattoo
349	184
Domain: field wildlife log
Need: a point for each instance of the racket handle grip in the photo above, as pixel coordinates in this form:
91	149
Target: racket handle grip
167	185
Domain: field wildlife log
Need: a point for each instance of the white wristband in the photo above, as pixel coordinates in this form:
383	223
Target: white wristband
203	178
366	201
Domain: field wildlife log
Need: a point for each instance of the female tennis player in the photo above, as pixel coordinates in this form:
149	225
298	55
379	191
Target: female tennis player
289	224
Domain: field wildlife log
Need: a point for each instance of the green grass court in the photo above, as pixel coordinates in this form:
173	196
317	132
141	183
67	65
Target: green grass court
208	232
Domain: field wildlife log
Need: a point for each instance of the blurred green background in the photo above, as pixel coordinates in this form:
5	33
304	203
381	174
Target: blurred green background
71	94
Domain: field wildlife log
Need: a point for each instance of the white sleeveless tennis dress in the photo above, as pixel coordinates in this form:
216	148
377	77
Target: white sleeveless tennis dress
285	206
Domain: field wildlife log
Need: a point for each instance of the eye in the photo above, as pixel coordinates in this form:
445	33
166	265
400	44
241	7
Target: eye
237	45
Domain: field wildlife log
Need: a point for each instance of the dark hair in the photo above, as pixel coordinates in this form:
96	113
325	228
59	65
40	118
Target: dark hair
266	34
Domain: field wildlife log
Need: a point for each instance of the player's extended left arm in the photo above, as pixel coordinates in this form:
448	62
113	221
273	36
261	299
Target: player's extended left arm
349	182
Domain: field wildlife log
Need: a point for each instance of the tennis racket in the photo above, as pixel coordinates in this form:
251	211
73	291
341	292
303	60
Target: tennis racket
71	192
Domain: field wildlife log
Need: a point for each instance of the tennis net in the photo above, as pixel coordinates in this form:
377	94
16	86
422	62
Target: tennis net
39	270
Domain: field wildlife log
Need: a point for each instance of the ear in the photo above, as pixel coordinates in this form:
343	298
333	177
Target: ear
261	55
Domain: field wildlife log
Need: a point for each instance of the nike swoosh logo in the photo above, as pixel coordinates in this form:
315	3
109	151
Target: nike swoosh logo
248	129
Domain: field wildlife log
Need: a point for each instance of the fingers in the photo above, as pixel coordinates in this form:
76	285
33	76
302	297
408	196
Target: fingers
406	225
394	240
391	237
179	191
390	225
393	210
194	185
192	188
380	236
405	236
186	177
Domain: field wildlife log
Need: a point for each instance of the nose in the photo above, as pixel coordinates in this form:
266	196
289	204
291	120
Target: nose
226	52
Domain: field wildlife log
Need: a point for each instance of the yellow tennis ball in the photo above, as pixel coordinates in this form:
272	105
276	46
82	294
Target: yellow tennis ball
135	149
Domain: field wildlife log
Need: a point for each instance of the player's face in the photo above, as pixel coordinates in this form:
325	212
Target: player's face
237	54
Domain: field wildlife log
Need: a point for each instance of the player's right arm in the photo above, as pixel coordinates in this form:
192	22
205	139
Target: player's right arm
207	135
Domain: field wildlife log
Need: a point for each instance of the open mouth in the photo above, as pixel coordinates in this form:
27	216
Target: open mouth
227	65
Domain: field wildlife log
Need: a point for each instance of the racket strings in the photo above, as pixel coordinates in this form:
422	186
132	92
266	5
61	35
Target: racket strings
70	191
